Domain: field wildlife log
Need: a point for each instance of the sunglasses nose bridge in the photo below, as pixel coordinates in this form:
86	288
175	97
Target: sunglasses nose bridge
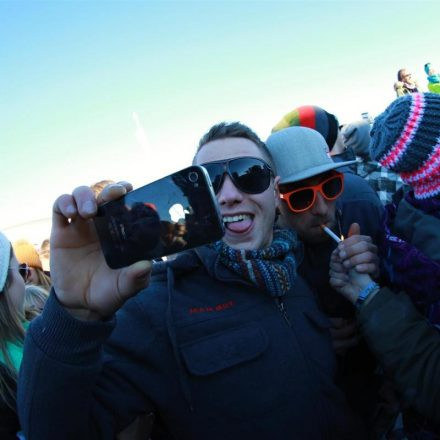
319	205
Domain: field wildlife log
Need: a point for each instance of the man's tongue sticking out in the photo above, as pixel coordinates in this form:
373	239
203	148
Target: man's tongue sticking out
239	223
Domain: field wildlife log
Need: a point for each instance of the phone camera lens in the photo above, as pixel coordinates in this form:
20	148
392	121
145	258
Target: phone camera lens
193	177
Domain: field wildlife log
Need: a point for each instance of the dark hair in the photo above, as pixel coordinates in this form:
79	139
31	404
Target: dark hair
399	74
224	130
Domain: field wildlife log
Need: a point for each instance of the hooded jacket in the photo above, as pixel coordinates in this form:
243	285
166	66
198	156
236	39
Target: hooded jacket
212	355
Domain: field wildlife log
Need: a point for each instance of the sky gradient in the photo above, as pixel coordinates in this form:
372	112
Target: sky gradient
124	90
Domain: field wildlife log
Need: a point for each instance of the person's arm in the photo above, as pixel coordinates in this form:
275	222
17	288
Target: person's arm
407	346
398	87
68	388
65	390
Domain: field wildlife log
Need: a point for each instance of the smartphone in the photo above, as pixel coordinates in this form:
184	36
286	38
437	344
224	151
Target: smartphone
170	215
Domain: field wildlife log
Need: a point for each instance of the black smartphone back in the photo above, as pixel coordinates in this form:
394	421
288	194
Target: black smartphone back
170	215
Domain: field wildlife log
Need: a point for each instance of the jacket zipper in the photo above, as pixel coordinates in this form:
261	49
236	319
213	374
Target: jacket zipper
282	309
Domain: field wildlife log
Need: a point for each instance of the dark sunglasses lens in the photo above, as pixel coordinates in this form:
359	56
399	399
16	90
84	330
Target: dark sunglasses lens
333	187
215	172
23	270
251	176
301	200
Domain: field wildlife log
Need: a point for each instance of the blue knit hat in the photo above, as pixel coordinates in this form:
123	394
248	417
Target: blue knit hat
427	68
405	138
5	256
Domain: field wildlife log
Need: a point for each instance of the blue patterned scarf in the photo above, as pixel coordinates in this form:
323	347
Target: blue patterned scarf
272	269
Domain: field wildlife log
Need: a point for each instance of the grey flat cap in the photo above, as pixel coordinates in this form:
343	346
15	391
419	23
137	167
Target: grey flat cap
300	153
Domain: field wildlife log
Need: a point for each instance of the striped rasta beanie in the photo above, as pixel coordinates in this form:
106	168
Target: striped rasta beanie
312	117
405	138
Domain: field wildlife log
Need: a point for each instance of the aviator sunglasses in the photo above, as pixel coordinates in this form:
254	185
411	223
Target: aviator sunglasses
302	199
249	174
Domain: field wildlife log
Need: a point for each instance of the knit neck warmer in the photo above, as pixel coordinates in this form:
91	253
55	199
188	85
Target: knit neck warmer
272	268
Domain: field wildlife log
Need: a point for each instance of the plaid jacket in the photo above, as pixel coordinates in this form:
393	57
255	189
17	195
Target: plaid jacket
386	183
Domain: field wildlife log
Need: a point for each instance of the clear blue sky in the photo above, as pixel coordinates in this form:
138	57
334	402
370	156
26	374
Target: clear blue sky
123	90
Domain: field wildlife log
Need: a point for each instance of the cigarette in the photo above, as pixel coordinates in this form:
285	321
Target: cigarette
331	233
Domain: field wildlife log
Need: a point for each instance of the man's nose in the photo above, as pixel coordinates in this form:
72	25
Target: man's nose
320	207
229	193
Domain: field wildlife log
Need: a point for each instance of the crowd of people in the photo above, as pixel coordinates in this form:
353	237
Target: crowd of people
406	83
317	315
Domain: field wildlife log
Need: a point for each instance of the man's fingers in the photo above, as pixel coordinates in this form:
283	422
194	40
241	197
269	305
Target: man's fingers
355	239
114	191
363	258
85	201
127	185
347	250
134	278
354	229
369	268
64	208
337	267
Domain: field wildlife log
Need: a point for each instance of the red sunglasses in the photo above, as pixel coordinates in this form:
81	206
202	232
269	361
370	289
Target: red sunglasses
302	199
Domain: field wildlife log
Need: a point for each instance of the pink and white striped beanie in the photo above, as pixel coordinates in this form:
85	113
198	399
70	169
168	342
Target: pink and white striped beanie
405	138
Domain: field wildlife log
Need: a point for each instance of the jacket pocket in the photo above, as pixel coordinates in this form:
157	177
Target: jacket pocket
224	350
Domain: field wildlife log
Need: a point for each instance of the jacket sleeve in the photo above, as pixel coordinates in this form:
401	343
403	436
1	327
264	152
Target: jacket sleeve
398	87
66	389
408	347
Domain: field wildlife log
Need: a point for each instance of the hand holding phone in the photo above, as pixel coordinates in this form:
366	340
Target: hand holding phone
83	282
170	215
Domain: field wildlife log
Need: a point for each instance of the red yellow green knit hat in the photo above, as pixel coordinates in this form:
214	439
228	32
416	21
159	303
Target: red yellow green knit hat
313	117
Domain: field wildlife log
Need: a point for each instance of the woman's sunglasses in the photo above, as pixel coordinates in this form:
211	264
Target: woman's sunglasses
302	199
24	271
249	174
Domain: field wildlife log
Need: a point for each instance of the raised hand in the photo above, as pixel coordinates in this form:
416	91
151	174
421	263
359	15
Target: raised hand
82	281
359	252
351	264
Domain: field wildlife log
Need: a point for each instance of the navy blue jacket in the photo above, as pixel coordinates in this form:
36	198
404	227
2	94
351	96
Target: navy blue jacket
213	356
357	369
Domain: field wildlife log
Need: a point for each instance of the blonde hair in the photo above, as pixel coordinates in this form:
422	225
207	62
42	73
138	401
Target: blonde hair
11	330
34	300
44	280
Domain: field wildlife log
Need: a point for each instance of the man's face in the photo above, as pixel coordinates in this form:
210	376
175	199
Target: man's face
406	76
248	218
308	223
